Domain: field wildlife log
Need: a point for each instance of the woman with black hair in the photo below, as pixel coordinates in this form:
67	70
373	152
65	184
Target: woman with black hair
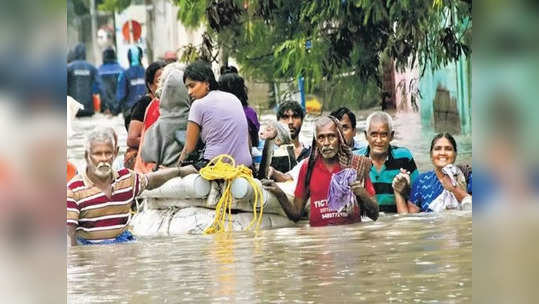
136	124
234	83
163	140
216	117
445	186
226	69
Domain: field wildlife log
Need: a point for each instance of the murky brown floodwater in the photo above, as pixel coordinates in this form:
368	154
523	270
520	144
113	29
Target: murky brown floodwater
422	258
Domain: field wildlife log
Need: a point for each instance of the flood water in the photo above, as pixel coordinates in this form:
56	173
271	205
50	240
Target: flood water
422	258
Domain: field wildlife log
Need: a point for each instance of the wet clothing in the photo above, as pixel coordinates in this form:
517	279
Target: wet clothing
96	217
152	113
140	108
425	189
320	214
398	157
223	126
125	236
161	145
138	114
82	81
131	87
109	73
253	125
150	117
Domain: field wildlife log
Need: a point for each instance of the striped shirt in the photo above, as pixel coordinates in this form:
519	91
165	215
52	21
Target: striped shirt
398	157
96	216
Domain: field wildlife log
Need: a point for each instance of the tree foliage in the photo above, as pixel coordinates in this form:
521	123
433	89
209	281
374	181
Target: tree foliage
191	12
190	53
272	37
113	5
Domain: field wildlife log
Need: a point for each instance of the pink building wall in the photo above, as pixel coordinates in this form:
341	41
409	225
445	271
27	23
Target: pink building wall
406	85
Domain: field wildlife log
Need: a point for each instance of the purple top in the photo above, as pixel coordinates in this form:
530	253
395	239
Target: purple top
252	124
223	126
250	113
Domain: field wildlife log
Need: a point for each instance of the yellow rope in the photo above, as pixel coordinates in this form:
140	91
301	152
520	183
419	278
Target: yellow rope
217	168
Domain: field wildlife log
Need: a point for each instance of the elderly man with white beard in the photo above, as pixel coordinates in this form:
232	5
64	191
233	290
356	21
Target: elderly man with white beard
99	198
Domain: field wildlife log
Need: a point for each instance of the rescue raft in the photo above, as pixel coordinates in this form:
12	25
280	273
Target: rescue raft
187	205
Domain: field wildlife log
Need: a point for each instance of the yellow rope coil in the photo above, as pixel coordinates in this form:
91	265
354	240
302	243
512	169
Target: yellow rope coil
217	168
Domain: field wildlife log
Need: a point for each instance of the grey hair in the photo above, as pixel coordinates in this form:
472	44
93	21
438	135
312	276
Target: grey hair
379	116
320	122
283	133
101	134
175	66
344	153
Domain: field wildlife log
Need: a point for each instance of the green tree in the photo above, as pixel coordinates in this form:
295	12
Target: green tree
113	5
323	40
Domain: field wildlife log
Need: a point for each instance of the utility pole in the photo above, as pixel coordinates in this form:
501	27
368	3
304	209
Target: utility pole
93	23
150	17
224	55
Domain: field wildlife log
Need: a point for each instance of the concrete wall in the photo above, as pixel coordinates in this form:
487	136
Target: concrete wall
406	85
168	32
445	103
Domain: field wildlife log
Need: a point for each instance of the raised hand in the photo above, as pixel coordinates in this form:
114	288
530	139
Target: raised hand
358	189
401	182
446	183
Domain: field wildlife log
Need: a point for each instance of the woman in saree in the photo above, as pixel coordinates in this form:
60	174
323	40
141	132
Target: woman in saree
439	189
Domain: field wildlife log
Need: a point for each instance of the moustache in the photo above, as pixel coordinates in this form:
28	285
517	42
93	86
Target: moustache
103	166
327	150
